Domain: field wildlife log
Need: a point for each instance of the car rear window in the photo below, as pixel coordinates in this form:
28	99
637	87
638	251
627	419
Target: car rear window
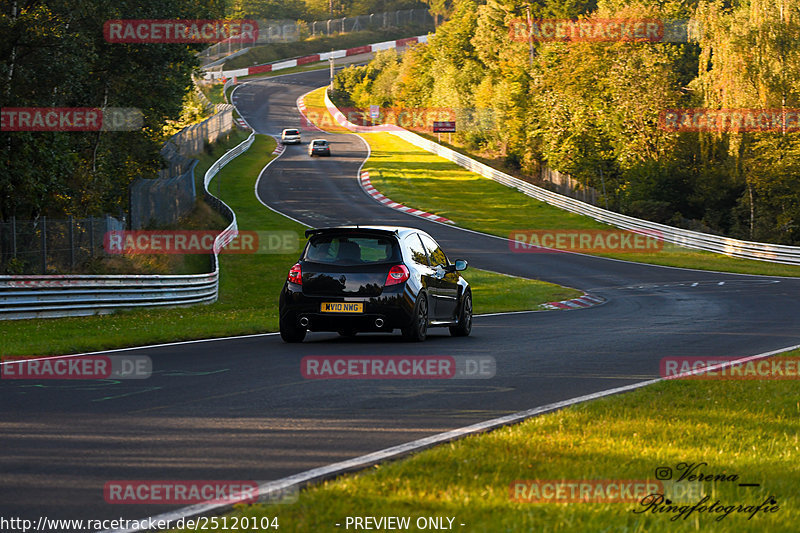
291	132
351	249
320	143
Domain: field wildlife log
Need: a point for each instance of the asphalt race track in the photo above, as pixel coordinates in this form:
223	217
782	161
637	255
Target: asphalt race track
239	409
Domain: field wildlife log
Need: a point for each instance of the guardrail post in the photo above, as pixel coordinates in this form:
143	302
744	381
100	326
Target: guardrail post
14	236
91	236
44	245
106	226
71	243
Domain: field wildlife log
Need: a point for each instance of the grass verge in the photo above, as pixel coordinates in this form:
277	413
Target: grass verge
417	178
249	285
213	92
320	65
747	429
259	55
239	310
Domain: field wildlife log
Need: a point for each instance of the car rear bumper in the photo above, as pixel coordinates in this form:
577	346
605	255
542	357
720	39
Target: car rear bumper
391	310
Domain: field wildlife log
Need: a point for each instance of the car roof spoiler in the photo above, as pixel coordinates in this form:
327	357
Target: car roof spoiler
345	229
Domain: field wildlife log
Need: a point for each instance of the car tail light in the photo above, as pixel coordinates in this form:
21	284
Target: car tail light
295	274
397	274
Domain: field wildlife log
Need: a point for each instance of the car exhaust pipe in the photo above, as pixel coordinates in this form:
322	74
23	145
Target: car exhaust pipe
378	322
304	321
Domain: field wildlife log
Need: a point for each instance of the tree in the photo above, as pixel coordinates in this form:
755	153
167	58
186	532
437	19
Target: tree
751	59
54	55
438	8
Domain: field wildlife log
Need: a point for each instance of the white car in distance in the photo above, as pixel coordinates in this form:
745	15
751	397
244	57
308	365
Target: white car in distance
290	136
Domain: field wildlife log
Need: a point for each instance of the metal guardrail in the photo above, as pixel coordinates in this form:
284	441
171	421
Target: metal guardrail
79	295
287	31
227	86
774	253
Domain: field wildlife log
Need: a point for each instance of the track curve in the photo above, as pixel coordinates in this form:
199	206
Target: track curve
239	408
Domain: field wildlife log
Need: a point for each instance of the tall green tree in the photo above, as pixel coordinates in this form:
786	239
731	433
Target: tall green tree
54	55
751	59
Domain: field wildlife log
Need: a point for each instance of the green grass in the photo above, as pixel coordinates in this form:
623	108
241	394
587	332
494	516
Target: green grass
417	178
212	153
249	285
202	217
321	65
746	428
213	92
248	296
495	293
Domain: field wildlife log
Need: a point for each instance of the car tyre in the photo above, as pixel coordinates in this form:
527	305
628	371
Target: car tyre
290	332
464	325
417	331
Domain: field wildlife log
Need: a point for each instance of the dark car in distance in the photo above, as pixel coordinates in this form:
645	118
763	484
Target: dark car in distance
352	279
319	147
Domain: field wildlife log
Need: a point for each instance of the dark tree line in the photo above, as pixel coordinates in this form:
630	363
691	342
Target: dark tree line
54	55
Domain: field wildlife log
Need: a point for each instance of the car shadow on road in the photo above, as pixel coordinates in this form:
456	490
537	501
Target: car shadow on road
434	336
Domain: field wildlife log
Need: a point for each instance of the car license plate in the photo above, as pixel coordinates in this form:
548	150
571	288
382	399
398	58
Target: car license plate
342	307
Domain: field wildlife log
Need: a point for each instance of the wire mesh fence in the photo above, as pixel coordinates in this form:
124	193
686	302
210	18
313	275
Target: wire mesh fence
286	31
192	140
52	245
389	19
59	245
172	195
162	201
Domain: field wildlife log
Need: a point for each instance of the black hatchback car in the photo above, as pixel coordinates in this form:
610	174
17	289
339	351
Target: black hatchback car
374	278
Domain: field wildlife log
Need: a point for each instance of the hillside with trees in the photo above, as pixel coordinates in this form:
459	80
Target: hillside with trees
593	109
54	55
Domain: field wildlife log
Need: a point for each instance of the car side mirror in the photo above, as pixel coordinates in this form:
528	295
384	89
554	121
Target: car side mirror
460	265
